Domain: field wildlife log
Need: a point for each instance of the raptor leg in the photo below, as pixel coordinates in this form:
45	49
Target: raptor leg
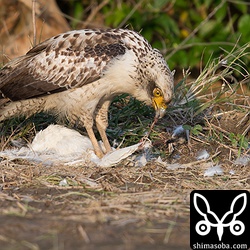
94	142
86	120
102	123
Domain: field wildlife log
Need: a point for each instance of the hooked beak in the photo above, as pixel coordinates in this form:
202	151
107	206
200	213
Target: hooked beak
160	106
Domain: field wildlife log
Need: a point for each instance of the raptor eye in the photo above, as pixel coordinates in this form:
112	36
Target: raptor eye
157	92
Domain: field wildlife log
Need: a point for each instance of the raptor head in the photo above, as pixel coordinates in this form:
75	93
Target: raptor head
161	83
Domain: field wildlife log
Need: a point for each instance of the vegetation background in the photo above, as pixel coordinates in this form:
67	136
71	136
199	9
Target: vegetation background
189	33
127	206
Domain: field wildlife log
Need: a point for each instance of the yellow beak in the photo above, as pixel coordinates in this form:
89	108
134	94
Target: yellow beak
158	103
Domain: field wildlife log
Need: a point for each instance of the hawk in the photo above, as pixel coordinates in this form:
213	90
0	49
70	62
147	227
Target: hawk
77	74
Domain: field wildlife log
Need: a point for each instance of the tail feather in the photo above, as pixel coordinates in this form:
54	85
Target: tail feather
3	101
24	107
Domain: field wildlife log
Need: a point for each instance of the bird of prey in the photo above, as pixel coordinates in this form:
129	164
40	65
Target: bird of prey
77	74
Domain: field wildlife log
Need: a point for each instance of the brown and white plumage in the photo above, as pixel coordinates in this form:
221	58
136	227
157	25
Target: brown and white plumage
77	74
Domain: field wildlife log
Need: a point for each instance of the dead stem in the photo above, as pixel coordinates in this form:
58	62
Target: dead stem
34	21
83	234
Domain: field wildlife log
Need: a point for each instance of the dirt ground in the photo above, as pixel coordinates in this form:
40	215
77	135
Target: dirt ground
123	207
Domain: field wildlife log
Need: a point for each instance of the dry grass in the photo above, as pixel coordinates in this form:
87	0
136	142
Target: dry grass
121	206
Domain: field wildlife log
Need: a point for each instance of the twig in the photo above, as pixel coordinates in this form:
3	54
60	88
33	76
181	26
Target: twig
145	138
130	14
83	234
95	11
169	230
204	44
34	21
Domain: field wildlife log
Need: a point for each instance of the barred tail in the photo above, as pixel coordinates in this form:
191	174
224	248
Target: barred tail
24	107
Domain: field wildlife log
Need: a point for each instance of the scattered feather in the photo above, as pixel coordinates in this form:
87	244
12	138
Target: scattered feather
146	156
160	161
115	156
175	166
178	130
18	143
141	160
63	183
214	170
202	155
242	160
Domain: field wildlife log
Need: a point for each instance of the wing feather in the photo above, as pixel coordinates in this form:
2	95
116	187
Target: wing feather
69	60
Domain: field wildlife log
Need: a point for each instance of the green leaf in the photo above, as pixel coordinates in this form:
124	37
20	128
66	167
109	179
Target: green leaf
168	24
243	25
194	130
181	4
242	7
208	28
221	13
187	127
243	141
181	58
159	4
197	129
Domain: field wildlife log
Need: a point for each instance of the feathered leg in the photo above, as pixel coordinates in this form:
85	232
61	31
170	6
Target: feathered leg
102	123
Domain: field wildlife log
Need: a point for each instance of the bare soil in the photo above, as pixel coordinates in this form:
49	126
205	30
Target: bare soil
123	207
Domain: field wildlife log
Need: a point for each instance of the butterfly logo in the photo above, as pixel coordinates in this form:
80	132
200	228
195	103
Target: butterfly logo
203	227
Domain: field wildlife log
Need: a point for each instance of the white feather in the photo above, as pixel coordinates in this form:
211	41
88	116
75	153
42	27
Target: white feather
59	145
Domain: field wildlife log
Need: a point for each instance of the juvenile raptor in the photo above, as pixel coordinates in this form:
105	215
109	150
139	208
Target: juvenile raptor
77	74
